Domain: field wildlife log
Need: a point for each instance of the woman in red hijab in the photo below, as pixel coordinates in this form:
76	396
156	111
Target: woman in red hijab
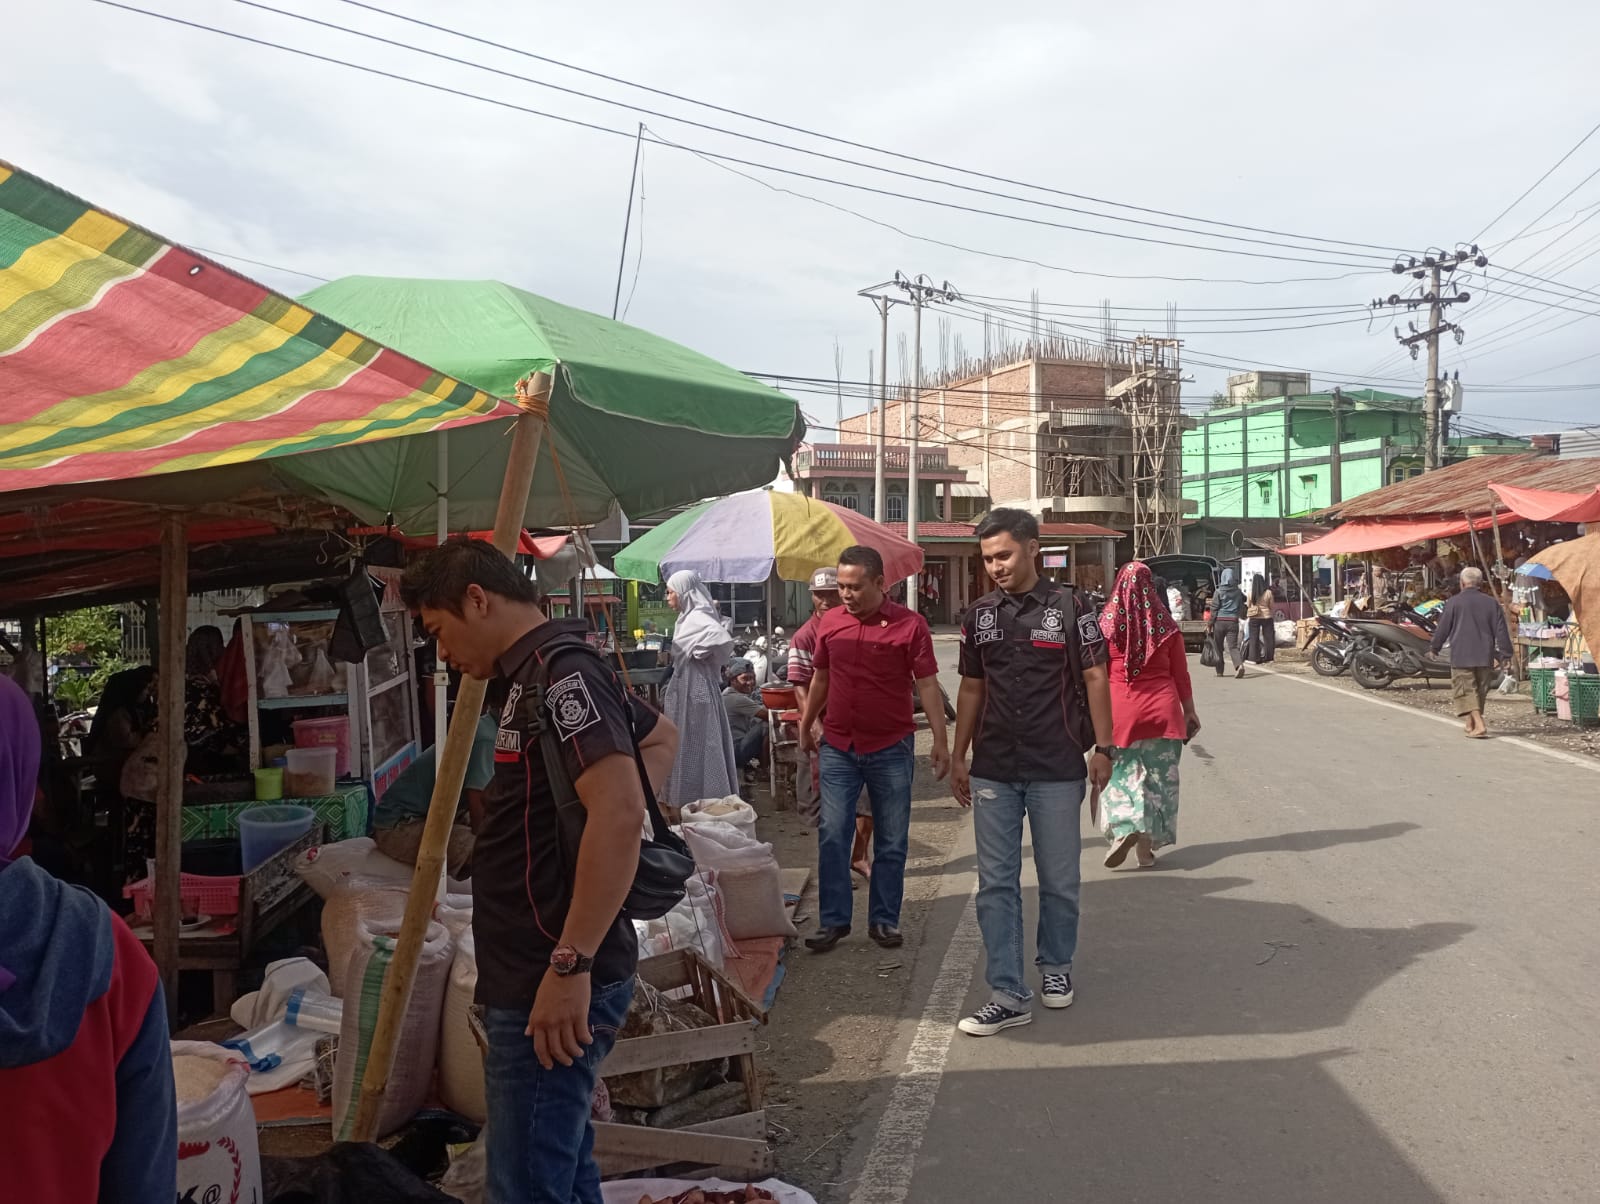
1152	709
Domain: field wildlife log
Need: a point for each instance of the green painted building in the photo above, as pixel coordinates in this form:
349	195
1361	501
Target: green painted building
1272	458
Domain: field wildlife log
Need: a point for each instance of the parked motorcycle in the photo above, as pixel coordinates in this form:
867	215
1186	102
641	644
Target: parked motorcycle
1396	651
1331	657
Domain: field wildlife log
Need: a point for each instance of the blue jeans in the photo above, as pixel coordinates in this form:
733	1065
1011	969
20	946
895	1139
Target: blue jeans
886	774
1051	809
541	1142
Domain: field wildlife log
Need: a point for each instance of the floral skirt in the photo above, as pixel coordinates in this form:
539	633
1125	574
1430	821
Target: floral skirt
1142	795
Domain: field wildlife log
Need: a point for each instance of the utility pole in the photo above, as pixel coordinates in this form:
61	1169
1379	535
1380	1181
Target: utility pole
881	301
627	220
1336	450
1436	268
922	292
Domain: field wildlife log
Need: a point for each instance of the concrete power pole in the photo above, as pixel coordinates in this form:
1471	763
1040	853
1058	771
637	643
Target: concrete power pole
1436	269
922	292
881	301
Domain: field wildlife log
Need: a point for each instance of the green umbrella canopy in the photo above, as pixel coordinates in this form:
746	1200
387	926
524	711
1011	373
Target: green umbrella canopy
635	419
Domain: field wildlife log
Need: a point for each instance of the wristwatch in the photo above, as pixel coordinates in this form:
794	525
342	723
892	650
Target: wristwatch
1107	751
567	961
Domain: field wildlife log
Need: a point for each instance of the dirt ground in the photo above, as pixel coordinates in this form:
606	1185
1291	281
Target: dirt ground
1508	714
836	1013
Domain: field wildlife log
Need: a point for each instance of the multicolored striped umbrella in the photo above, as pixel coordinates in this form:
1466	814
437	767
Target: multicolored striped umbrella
748	537
123	355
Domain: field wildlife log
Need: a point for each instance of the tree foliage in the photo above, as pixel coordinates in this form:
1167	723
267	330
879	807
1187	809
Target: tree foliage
86	648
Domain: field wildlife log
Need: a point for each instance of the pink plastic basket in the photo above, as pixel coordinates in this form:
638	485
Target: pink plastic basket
200	895
330	732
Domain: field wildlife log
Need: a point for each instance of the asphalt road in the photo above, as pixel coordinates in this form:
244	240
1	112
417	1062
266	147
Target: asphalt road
1368	972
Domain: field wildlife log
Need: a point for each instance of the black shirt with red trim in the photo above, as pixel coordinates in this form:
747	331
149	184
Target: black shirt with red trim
1018	645
521	880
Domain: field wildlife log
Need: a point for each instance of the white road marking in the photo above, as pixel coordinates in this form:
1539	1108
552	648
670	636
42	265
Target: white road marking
886	1177
1589	763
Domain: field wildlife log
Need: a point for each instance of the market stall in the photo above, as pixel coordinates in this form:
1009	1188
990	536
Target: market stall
327	427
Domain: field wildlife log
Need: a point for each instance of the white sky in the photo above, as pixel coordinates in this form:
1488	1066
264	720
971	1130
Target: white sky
1401	125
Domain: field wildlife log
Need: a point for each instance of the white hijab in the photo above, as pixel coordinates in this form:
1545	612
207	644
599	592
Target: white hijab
701	632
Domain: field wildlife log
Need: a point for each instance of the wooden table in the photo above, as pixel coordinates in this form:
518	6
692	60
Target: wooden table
1523	644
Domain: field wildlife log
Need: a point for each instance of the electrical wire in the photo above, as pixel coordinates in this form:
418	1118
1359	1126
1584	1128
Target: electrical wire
1478	237
638	109
795	129
260	263
725	161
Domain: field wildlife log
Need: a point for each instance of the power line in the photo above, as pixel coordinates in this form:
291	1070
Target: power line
260	263
633	108
1574	150
732	112
724	160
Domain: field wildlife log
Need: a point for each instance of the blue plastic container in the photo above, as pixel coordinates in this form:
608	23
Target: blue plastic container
266	830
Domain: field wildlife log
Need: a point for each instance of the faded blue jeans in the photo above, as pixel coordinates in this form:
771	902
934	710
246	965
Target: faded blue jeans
886	774
1051	809
541	1141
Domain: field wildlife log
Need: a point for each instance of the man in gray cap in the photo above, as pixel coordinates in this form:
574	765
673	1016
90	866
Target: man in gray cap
747	718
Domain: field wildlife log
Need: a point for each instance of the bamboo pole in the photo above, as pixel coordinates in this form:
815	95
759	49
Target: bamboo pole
451	772
167	910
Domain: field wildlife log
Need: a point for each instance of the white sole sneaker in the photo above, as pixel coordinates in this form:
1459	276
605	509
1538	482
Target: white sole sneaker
973	1027
1056	1001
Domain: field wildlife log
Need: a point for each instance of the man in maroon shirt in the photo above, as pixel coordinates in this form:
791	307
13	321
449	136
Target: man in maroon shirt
870	652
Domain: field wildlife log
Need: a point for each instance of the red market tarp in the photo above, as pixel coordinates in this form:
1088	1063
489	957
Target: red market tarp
1550	505
1371	535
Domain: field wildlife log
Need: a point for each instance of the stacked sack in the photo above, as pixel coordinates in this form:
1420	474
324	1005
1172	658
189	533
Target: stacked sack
748	881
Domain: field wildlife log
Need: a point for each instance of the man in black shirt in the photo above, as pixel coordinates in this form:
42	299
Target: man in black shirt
1034	698
556	956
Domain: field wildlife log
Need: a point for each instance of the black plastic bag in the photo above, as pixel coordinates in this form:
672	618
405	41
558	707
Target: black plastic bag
349	1173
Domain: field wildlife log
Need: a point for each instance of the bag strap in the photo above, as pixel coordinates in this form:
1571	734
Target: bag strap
562	788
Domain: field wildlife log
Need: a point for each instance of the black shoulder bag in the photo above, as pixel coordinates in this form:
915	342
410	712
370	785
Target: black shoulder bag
665	864
1066	600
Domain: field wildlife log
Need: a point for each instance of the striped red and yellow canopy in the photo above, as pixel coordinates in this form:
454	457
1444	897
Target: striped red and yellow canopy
124	355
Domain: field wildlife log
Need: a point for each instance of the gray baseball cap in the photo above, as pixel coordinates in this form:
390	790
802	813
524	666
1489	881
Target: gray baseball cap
825	579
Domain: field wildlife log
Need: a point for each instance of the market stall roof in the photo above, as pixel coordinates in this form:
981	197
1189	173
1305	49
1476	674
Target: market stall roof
1371	535
635	419
1551	506
1464	488
125	356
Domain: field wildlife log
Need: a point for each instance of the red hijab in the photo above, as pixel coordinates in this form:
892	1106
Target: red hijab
1136	621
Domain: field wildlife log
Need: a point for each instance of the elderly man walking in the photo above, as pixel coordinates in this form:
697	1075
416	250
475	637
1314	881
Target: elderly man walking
1474	627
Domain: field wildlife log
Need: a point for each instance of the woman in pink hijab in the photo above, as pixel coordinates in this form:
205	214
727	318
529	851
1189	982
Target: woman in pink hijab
1153	715
86	1084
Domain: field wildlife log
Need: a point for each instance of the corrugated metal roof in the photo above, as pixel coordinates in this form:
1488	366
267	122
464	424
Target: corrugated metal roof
1464	488
934	530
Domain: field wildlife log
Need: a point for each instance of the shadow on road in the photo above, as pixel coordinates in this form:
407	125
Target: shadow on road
1198	856
1263	1129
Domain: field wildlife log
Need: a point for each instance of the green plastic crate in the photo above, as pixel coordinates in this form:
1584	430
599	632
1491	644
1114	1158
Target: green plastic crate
1542	682
1583	689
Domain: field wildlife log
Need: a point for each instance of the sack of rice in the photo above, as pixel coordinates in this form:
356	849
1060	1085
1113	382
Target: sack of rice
357	902
217	1155
418	1044
460	1059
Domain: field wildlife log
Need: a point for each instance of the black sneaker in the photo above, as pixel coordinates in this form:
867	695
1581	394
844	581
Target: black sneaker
1057	991
991	1018
825	939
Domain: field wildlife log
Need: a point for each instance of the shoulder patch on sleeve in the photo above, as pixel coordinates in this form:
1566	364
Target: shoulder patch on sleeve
1089	629
571	705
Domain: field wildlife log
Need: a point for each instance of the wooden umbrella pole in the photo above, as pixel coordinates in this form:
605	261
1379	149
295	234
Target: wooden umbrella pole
167	912
449	775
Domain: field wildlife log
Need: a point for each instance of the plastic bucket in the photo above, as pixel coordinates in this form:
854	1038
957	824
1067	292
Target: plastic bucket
310	772
264	831
332	731
269	785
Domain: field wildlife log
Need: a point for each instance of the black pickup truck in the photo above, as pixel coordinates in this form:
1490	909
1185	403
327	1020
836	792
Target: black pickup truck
1189	574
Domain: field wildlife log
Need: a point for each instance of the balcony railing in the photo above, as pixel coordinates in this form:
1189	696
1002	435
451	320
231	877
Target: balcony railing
858	457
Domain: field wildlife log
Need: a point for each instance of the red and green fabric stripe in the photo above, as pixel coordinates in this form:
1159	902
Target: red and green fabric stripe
124	355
